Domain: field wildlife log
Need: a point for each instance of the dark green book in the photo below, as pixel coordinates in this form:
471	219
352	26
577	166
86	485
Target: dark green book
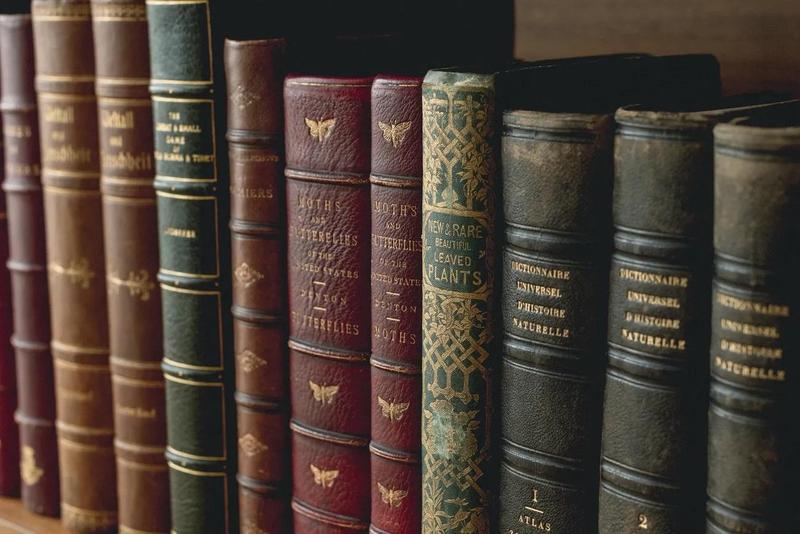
191	187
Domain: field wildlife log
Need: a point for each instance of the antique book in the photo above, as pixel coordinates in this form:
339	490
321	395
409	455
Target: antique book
557	176
36	408
328	232
254	72
653	458
131	244
752	436
9	433
396	286
191	185
75	263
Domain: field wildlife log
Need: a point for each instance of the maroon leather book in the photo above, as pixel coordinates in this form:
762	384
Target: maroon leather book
28	262
63	43
396	275
254	72
327	199
131	246
9	438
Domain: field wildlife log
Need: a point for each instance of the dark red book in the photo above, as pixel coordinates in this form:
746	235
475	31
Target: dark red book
396	278
328	217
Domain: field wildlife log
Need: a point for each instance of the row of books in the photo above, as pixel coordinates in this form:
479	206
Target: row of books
390	303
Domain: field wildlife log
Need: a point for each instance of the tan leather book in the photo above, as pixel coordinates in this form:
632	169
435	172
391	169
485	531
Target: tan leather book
76	264
131	243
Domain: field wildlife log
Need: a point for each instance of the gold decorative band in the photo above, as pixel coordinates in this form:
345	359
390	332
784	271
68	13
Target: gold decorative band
125	381
84	447
400	182
88	519
173	450
322	517
140	466
165	178
119	12
140	449
327	353
328	178
338	439
299	83
194	472
65	78
78	349
123	362
181	365
187	382
66	97
76	366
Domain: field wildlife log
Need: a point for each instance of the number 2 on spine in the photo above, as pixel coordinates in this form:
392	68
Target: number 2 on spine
642	521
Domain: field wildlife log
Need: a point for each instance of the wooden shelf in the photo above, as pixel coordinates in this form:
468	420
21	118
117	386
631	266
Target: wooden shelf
15	519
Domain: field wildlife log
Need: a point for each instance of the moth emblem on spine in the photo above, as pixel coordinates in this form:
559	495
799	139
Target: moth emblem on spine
322	393
392	411
395	133
391	496
320	129
322	477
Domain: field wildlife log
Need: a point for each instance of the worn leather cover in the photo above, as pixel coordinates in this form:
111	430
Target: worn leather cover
396	285
191	187
328	136
254	72
755	333
653	459
74	226
131	243
36	409
557	170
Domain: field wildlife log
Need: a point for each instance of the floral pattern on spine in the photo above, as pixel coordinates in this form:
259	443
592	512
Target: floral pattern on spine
459	168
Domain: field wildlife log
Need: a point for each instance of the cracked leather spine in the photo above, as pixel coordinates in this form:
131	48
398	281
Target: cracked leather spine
396	304
191	183
460	153
755	332
131	244
76	262
557	176
652	468
36	409
328	232
254	72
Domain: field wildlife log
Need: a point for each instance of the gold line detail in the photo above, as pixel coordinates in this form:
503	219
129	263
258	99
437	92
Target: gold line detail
194	472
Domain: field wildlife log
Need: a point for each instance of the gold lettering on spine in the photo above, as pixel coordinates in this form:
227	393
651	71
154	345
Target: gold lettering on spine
734	303
750	371
654	341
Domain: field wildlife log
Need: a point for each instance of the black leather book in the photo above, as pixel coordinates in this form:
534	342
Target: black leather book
191	190
755	331
653	435
557	178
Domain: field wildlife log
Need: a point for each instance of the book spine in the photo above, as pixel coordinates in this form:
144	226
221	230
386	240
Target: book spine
74	227
396	285
131	244
557	177
327	202
36	410
652	466
755	333
9	433
192	204
459	150
254	73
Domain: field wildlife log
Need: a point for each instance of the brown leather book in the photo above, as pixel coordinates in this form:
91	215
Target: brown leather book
62	33
254	72
396	202
327	200
36	407
131	244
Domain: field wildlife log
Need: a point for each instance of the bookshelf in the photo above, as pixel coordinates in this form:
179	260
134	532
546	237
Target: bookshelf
15	519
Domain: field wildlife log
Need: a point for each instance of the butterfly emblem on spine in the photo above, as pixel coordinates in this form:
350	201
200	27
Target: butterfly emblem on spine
320	129
392	497
322	393
395	133
322	477
392	411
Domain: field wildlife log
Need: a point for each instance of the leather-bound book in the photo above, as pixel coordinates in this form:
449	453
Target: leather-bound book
755	331
396	277
9	435
131	244
328	213
254	72
76	263
191	185
36	408
557	179
653	455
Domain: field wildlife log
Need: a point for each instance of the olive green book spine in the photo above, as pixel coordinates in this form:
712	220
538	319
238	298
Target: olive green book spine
460	143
